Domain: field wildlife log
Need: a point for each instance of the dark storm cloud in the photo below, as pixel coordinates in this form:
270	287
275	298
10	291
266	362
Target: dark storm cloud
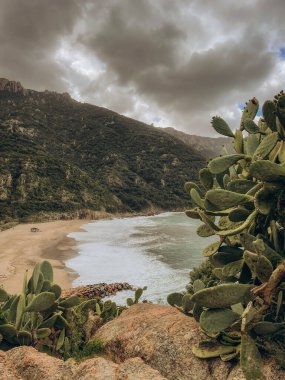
30	32
130	51
175	61
134	37
209	76
170	60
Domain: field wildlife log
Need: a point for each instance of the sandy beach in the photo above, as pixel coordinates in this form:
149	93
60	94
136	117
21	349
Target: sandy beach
21	249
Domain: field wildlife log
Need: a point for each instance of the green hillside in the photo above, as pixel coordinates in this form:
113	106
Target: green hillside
208	147
57	154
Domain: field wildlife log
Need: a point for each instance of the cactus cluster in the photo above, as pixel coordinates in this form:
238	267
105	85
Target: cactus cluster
241	200
41	318
109	310
138	294
38	316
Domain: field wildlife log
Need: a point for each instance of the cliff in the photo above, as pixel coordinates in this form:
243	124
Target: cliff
11	86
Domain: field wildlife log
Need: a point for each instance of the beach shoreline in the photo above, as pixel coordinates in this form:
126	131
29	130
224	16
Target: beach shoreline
21	249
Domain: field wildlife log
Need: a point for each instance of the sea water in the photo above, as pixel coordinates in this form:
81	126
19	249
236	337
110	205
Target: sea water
154	251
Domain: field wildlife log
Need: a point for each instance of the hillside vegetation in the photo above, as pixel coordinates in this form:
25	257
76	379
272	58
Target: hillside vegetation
208	147
60	155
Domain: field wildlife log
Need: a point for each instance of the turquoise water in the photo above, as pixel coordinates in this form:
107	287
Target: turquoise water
156	251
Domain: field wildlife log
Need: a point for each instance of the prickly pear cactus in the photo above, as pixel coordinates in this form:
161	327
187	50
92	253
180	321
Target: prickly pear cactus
241	200
138	294
38	317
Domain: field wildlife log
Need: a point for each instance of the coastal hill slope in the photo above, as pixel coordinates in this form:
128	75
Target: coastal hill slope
207	146
60	155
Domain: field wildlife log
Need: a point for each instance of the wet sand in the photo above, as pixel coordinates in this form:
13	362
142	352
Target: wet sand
20	249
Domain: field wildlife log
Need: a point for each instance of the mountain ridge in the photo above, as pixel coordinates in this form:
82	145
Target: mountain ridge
60	155
209	147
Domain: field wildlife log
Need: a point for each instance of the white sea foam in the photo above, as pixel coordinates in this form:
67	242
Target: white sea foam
156	251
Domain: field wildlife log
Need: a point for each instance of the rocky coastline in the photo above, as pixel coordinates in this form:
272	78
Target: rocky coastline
100	291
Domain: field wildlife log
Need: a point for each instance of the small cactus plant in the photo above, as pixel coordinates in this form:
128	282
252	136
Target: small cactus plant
138	294
242	201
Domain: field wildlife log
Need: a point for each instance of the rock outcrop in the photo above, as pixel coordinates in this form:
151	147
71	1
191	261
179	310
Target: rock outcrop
147	342
97	290
11	86
163	337
26	363
103	369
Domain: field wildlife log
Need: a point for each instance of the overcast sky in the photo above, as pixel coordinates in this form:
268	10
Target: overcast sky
167	62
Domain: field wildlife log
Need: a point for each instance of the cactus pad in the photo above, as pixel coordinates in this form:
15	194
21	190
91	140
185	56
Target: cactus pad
224	199
250	359
216	320
206	178
47	270
266	328
175	299
43	333
267	171
251	127
205	231
266	146
187	304
221	126
232	269
241	186
227	254
222	296
269	114
193	214
211	249
70	302
220	164
211	349
3	295
191	185
249	111
8	330
24	338
196	198
41	302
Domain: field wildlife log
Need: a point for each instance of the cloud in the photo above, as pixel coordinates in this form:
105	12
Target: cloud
170	63
30	34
